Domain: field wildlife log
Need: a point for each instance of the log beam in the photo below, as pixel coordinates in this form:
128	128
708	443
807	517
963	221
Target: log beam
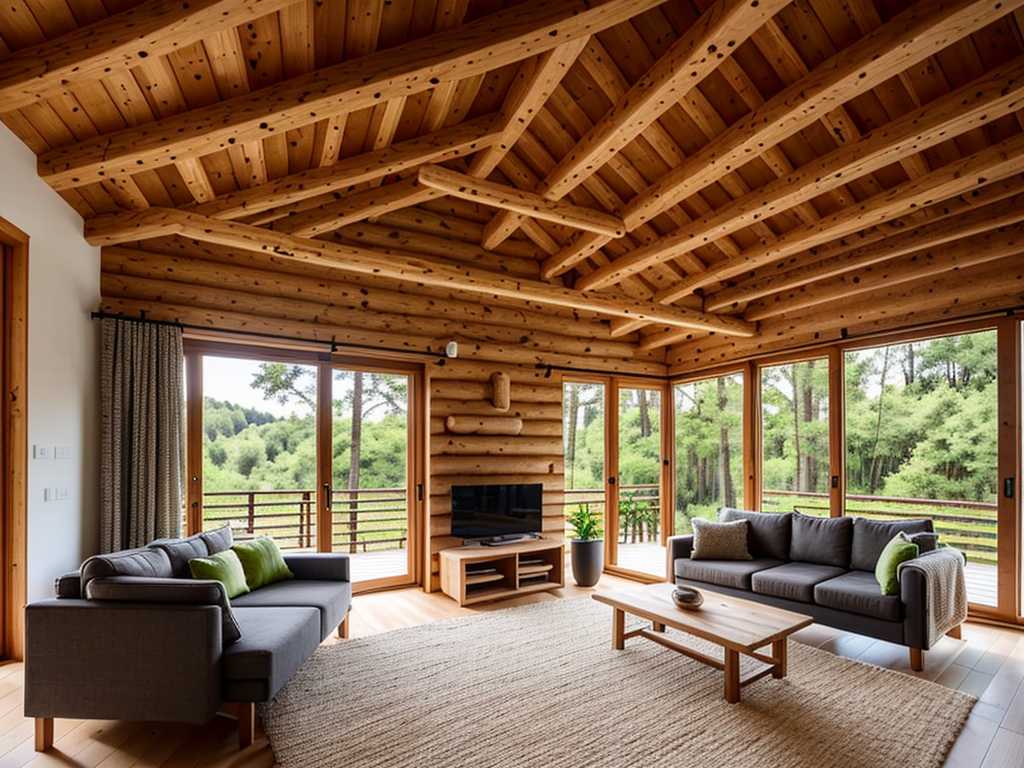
456	141
123	40
696	54
988	98
948	229
472	49
114	229
355	208
511	199
968	174
911	36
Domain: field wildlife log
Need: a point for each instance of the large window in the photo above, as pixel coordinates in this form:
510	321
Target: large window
922	441
795	437
313	453
709	448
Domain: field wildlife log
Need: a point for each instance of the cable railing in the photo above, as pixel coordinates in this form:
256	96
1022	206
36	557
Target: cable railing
366	519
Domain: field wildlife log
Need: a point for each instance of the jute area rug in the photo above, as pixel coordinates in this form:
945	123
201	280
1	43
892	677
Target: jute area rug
540	686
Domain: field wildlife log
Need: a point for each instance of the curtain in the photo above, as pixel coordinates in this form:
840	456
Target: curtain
143	433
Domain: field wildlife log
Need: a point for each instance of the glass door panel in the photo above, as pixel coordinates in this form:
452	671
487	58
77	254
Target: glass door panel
259	449
370	482
709	448
583	431
795	437
639	482
921	441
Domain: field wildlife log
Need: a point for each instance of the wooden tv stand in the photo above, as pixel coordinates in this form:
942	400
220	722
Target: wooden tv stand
477	574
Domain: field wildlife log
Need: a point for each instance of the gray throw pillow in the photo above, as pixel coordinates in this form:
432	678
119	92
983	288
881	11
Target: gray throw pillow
871	536
180	551
218	540
719	541
821	540
128	562
768	534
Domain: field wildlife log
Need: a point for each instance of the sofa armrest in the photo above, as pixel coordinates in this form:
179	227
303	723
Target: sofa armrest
68	584
677	547
114	660
148	589
319	566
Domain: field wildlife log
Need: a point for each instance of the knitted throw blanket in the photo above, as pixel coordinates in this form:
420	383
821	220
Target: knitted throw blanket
947	590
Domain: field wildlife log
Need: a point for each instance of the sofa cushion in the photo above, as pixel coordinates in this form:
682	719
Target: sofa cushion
871	536
898	550
218	540
719	541
262	561
858	592
726	573
224	567
793	581
180	551
274	644
768	534
145	561
331	598
821	540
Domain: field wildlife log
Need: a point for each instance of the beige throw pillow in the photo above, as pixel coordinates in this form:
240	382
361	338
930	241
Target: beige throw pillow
719	541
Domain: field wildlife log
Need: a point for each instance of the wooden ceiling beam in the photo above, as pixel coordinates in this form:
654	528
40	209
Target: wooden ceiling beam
963	176
694	56
984	100
462	139
534	82
946	229
473	49
924	28
115	229
511	199
916	265
622	327
360	206
153	29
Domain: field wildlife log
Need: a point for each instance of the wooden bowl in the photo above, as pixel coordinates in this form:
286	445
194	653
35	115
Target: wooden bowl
687	598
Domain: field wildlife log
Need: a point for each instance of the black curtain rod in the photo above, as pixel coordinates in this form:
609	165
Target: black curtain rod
334	345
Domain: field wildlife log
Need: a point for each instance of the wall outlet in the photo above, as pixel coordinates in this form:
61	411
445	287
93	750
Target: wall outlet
62	452
61	493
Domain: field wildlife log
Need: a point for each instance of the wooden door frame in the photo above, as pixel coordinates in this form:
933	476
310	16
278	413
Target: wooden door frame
14	456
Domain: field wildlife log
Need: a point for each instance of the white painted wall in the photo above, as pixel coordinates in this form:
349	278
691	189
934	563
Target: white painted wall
63	369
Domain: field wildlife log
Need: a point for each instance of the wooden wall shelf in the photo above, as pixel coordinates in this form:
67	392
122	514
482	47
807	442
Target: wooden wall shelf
477	574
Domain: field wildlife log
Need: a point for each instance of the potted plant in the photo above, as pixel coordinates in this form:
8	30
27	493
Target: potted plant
587	546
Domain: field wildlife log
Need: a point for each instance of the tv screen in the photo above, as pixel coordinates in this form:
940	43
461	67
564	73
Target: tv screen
489	511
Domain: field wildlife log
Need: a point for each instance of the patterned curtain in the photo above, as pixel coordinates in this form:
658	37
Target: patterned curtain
143	425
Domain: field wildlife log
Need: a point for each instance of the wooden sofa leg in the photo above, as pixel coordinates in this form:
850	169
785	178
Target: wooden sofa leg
916	659
955	632
343	627
44	733
246	724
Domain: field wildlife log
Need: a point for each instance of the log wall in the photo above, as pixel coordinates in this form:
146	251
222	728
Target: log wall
212	287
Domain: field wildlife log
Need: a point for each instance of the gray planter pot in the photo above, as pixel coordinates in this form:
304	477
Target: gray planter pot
587	561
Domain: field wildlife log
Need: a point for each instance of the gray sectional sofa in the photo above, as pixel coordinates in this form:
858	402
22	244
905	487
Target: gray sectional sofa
131	636
825	568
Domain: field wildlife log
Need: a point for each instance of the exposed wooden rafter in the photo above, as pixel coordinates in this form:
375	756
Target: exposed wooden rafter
472	49
117	229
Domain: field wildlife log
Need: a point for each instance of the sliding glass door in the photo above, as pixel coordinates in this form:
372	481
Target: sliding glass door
321	456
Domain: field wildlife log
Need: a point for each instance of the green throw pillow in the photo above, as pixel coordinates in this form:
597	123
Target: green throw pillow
899	549
225	567
262	562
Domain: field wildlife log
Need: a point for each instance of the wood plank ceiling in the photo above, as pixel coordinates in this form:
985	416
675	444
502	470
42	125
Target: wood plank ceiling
704	180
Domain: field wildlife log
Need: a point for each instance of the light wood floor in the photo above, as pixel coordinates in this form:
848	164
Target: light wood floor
989	663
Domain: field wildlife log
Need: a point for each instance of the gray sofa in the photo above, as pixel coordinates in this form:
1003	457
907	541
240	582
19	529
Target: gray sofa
131	636
823	567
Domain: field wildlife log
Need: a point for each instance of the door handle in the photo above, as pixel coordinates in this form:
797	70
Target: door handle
327	496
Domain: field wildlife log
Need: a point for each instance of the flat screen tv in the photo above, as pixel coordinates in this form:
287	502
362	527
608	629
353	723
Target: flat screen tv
496	511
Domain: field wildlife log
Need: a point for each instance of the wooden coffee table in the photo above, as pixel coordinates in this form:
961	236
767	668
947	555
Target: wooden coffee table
739	626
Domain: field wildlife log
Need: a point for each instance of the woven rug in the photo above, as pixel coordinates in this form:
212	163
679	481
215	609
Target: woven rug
539	685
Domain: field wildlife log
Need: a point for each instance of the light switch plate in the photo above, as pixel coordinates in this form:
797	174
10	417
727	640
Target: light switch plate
40	452
62	452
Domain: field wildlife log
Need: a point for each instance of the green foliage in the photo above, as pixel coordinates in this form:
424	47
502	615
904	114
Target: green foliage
586	525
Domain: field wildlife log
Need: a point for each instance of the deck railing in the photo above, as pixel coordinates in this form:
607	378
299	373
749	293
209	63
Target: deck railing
363	520
639	510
